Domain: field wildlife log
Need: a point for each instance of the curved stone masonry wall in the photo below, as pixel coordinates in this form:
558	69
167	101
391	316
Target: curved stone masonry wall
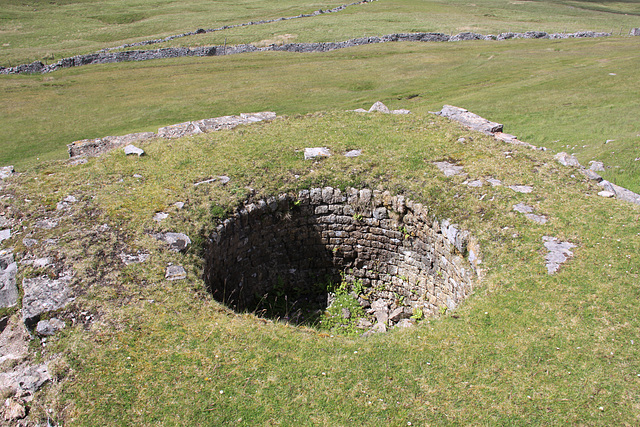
394	246
145	55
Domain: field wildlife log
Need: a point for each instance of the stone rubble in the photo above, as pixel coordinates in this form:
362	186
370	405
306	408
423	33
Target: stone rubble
98	146
5	234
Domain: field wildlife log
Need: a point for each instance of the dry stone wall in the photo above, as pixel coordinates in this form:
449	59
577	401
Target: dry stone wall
145	55
393	246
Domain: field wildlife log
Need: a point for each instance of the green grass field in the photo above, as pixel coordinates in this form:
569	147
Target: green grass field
525	349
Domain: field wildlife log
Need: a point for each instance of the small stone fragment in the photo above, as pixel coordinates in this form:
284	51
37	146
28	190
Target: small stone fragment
47	328
132	149
596	166
475	184
353	153
222	179
345	313
399	314
540	219
521	188
567	159
179	205
379	107
6	171
175	272
13	410
5	234
449	169
401	111
522	208
405	323
592	175
159	216
494	182
377	329
363	323
46	224
177	241
360	110
312	153
129	259
607	194
29	242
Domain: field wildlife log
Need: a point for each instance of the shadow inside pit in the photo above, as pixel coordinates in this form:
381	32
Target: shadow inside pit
275	265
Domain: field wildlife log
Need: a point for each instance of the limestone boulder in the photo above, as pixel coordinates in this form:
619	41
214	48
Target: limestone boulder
44	295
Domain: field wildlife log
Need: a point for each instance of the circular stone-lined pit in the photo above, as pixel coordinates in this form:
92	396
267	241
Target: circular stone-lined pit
277	257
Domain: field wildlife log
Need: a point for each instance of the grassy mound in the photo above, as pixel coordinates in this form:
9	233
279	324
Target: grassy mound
526	347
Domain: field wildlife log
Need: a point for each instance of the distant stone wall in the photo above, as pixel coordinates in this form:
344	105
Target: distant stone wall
394	246
145	55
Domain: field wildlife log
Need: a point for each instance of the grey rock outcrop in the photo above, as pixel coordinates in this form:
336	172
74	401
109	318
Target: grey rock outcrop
24	378
5	234
8	286
634	32
44	295
558	253
98	146
621	193
470	120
